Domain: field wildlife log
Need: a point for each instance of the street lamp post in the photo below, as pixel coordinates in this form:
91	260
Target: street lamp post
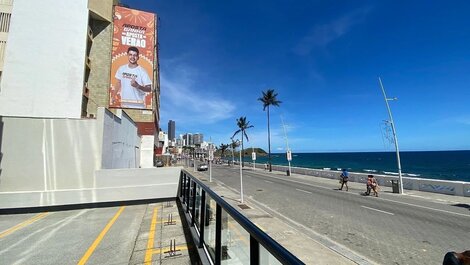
211	157
392	124
241	176
233	147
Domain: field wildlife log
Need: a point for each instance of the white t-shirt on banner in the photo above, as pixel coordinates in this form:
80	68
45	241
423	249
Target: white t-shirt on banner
132	97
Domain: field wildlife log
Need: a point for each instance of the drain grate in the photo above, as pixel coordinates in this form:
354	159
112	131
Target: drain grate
244	206
259	190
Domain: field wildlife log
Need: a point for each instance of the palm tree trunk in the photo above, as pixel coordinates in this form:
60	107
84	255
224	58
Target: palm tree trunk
269	145
241	157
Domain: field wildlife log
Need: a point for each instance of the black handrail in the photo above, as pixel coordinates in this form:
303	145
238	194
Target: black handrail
278	251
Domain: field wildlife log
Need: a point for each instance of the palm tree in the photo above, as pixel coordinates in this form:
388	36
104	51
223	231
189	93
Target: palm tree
268	99
243	125
222	148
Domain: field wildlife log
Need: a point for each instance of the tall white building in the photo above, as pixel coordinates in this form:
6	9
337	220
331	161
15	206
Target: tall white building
55	130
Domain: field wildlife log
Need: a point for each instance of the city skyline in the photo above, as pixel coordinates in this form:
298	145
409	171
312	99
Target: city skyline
324	60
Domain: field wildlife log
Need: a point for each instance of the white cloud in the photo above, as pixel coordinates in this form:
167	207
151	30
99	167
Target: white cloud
182	102
322	35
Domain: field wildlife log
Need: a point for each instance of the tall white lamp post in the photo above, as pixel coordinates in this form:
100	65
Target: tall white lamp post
253	157
241	175
400	187
211	157
289	152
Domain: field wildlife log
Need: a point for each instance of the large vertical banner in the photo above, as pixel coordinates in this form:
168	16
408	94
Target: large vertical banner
132	59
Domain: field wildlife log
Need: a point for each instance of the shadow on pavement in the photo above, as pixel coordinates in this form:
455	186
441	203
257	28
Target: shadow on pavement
462	205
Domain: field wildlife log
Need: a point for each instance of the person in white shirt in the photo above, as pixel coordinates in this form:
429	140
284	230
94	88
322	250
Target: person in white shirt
133	82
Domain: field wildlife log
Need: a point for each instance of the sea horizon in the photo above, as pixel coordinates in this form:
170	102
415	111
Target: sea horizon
446	165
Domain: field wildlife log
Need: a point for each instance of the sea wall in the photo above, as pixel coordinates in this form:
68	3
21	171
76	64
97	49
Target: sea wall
457	188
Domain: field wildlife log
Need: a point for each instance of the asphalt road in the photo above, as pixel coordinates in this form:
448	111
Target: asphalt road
128	234
390	229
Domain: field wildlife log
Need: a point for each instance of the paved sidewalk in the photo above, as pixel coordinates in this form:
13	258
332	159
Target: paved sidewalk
302	246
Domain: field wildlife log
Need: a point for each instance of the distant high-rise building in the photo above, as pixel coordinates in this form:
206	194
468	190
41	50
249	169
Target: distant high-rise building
188	139
171	130
198	138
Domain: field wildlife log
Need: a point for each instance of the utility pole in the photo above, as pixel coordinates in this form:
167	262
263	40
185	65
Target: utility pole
288	153
400	187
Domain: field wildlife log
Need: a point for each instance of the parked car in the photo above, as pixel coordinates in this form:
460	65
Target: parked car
159	163
202	167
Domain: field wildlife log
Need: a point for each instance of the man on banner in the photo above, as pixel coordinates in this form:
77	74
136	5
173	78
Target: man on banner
133	81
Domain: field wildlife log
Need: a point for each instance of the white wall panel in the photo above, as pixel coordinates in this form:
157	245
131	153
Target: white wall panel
44	60
119	141
48	154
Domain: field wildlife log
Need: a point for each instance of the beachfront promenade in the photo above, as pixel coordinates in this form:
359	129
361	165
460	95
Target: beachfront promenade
305	214
415	228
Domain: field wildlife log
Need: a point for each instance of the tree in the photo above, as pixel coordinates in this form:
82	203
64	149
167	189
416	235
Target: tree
233	145
243	125
268	99
222	149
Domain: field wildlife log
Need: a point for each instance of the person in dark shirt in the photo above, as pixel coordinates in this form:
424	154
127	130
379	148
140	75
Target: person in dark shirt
344	179
454	258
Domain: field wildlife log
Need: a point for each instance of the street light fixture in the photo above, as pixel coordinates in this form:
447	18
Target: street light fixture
241	173
392	124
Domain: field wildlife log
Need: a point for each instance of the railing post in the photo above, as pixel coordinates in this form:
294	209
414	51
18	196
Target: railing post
218	235
203	218
181	184
254	251
193	211
188	187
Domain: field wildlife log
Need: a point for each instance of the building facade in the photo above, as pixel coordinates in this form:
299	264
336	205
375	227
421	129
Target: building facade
171	130
55	77
198	138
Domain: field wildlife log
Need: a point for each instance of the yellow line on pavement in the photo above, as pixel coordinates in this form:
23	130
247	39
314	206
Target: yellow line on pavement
97	241
23	224
149	252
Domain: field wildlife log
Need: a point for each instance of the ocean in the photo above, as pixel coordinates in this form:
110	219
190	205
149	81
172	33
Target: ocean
447	165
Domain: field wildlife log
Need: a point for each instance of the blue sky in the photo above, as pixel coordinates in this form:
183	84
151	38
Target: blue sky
323	58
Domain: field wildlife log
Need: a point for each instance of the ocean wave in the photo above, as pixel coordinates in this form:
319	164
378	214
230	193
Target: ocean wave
391	173
411	175
326	168
370	170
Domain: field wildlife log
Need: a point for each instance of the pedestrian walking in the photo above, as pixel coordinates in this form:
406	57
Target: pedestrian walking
344	179
372	185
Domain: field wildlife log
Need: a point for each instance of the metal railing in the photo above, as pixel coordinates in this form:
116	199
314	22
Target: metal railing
226	236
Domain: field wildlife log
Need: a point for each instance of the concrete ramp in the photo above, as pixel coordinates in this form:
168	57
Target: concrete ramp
110	185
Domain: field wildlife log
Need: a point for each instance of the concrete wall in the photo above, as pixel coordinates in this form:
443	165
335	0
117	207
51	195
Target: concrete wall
100	57
103	8
110	185
121	145
58	154
48	154
146	151
44	61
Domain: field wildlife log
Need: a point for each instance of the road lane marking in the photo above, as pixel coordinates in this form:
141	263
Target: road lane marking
97	241
304	191
267	181
150	250
23	224
373	209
